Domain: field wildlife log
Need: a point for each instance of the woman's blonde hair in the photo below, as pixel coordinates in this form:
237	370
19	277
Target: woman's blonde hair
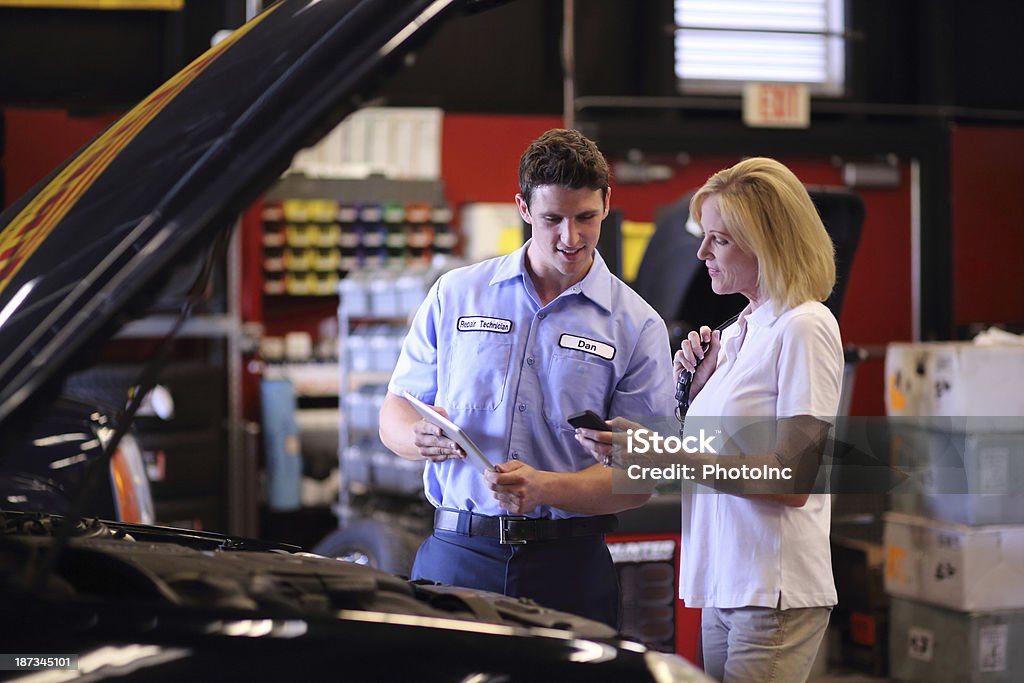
769	214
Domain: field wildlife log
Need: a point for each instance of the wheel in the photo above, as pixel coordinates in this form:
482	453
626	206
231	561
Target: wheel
372	543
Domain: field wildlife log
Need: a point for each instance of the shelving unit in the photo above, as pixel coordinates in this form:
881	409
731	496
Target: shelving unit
372	322
317	231
223	447
343	249
325	239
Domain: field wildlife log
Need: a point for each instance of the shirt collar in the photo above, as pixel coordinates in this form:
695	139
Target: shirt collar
764	315
511	266
596	285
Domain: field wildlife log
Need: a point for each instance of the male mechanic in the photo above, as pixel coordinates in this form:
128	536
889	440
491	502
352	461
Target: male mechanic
508	348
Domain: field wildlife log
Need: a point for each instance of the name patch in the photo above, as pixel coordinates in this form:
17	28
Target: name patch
568	341
481	324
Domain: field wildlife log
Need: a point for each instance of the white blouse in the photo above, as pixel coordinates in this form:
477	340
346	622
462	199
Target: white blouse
740	552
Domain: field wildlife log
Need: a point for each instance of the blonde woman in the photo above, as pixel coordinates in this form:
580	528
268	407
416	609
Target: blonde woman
756	555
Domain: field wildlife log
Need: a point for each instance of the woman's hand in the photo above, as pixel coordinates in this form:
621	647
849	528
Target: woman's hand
692	356
607	448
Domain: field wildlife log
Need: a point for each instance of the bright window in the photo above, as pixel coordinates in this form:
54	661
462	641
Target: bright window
720	44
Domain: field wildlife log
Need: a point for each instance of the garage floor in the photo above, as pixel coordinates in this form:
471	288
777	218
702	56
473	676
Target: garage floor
850	677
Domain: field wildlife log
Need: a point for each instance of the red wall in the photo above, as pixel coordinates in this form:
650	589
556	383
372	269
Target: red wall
480	155
988	232
38	140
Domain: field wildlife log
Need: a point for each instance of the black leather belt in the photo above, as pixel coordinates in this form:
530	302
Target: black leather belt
516	529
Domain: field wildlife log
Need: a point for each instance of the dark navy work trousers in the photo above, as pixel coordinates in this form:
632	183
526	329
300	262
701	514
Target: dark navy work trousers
573	575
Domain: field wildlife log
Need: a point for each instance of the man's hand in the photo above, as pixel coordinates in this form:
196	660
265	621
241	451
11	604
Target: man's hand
517	486
409	436
432	444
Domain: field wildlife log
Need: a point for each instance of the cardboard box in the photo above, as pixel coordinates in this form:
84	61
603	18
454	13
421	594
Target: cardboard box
942	646
972	509
952	565
968	478
978	387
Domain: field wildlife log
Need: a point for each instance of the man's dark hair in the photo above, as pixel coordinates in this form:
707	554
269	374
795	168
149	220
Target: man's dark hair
565	158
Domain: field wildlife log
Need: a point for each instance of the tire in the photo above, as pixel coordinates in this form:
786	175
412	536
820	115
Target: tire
372	543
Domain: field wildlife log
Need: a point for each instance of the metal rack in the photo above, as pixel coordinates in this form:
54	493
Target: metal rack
242	478
373	317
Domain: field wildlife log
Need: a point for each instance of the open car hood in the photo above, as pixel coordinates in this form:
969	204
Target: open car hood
82	249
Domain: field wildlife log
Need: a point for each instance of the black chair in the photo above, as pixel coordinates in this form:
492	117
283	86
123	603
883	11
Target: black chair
676	283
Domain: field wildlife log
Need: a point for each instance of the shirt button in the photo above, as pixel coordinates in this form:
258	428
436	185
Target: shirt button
529	361
541	316
515	455
522	407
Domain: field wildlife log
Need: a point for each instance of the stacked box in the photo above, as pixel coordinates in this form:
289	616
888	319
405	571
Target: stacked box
944	646
956	414
956	379
954	565
971	478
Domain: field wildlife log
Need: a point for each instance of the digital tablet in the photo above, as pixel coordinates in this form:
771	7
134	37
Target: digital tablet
450	429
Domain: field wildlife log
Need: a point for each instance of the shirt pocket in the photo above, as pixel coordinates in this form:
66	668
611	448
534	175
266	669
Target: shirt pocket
576	382
478	371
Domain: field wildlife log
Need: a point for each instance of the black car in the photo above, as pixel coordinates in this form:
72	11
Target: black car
84	251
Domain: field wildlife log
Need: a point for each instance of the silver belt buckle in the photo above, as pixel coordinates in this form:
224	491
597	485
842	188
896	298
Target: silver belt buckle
505	526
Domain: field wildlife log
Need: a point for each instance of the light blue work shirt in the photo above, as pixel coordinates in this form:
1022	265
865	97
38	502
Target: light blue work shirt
510	371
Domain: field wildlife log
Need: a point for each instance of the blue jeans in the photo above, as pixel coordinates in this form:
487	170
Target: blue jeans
574	575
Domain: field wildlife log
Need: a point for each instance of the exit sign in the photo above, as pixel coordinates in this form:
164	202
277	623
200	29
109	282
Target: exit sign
776	105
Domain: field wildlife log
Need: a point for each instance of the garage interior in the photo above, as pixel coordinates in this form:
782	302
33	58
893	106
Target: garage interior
291	352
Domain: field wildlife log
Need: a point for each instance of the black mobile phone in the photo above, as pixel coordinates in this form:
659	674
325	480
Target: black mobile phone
588	419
